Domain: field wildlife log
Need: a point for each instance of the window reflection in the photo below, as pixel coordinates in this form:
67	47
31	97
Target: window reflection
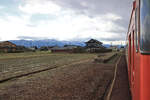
145	26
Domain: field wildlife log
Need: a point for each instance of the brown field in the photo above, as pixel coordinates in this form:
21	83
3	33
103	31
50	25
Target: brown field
70	77
16	64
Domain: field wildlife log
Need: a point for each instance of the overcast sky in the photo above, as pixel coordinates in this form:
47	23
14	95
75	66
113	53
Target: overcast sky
105	20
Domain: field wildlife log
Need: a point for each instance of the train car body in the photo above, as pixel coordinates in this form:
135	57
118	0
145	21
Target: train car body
138	50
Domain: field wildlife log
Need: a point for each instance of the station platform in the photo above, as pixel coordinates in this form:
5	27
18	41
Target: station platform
121	89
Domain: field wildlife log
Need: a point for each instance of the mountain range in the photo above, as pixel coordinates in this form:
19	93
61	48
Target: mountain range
49	42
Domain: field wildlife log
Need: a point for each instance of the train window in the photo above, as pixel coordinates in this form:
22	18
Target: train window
136	29
145	26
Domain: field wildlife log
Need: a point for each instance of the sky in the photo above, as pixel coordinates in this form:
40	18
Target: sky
72	20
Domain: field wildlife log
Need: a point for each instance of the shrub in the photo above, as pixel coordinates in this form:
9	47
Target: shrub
99	50
79	50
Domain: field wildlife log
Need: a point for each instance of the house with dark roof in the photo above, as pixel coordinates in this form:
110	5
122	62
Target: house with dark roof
94	45
7	46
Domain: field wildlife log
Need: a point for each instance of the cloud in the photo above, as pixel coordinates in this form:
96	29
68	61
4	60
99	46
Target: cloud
98	7
2	7
68	20
94	8
39	7
31	38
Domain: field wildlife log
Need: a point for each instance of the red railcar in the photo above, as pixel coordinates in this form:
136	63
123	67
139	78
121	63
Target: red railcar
138	50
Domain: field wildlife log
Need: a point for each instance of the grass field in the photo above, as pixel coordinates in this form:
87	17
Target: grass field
13	64
72	77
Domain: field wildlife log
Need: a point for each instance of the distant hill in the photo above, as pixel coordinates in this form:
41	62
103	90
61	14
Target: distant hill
49	42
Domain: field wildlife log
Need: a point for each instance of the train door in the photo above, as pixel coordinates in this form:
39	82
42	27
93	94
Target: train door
132	61
129	59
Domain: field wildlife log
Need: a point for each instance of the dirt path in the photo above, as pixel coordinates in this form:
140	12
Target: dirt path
121	87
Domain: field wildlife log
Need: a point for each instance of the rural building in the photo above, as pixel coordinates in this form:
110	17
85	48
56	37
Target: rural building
7	46
94	44
114	48
43	48
71	46
66	48
33	48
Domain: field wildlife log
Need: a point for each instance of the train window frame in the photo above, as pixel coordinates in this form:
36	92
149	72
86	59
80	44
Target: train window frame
142	51
136	30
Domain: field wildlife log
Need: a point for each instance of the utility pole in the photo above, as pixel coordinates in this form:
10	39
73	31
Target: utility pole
111	44
121	43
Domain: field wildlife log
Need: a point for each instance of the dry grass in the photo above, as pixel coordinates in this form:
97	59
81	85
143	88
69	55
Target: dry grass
106	55
84	81
21	63
75	77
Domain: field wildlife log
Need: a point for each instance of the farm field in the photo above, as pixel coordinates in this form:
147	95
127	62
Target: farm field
71	77
22	63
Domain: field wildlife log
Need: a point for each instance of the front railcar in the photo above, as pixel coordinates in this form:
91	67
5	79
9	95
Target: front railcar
145	48
139	50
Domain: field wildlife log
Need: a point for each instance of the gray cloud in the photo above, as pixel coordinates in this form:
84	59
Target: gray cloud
99	7
94	8
31	38
118	38
31	25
